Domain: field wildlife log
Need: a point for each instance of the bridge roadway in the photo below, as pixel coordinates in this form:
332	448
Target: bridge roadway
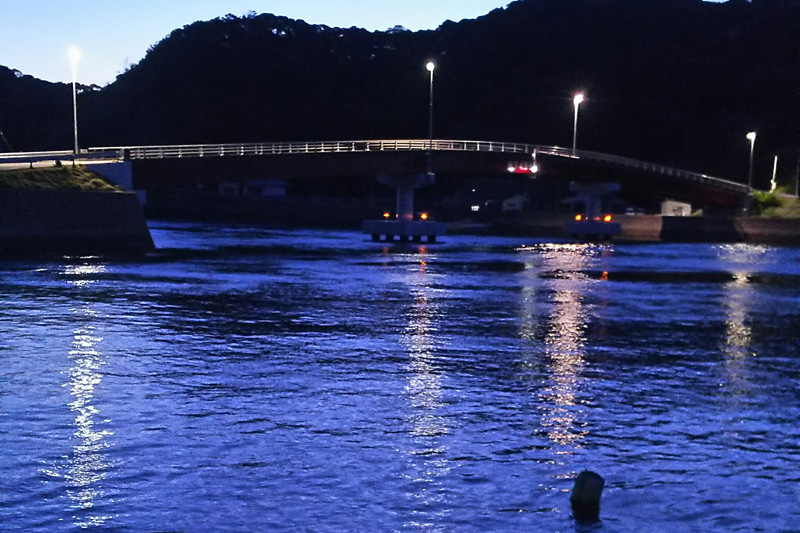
162	152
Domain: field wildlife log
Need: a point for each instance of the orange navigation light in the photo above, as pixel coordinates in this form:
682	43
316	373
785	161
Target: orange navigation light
387	214
423	216
578	218
607	218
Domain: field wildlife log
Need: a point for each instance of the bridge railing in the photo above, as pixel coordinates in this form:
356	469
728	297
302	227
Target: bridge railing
395	145
91	155
179	151
28	155
642	165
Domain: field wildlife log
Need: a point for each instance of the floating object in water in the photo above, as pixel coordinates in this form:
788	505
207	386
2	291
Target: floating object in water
585	497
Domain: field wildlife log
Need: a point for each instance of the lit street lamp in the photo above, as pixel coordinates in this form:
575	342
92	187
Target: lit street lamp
772	183
752	138
74	55
576	102
431	67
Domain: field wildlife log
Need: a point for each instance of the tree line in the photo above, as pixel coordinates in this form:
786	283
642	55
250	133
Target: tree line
678	82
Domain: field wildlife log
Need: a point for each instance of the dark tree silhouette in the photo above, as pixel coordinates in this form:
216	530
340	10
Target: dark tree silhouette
678	82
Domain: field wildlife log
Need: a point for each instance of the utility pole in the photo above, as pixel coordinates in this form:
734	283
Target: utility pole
797	178
3	136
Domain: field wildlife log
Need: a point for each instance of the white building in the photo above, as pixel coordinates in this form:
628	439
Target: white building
671	208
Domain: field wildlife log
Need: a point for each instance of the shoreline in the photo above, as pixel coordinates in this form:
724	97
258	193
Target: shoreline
350	214
661	229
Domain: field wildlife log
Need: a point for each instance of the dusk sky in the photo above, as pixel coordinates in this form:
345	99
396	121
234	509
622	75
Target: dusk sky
114	34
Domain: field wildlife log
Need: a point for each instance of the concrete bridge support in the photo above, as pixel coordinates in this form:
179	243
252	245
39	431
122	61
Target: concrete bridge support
592	224
404	227
119	173
592	196
405	185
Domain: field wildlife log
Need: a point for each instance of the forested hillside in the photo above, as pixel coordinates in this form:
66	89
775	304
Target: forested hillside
673	81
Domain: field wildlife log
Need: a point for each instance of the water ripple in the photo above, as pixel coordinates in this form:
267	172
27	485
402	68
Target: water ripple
247	378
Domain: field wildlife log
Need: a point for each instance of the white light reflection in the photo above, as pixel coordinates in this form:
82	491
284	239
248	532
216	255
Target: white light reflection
737	330
427	456
563	268
82	275
87	465
738	297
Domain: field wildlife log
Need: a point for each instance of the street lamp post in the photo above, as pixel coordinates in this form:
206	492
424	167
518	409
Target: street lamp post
74	55
752	138
576	102
431	66
773	184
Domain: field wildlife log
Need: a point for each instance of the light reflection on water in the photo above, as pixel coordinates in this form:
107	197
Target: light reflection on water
738	297
428	457
564	346
244	378
87	465
84	468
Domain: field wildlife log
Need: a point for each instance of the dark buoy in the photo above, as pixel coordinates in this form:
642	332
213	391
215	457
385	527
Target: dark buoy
585	498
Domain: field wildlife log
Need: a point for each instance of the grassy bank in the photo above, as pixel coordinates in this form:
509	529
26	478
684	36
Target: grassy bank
55	178
777	204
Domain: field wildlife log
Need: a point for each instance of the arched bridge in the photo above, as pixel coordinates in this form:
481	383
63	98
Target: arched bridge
576	164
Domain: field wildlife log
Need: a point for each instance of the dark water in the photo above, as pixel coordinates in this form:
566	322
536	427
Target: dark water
246	379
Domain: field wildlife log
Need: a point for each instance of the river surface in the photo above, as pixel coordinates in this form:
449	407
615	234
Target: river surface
249	379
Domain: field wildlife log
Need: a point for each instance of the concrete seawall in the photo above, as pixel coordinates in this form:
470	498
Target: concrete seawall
650	228
64	221
770	230
779	231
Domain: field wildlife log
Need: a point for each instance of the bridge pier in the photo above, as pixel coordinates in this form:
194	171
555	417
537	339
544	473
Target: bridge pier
592	224
404	227
405	185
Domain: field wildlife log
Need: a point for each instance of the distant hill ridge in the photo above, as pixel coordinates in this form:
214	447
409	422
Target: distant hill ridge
678	82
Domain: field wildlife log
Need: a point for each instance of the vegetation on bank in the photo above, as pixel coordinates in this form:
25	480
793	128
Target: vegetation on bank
55	178
776	204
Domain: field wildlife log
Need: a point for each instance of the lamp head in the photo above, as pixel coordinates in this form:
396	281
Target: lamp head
74	54
751	136
430	66
578	99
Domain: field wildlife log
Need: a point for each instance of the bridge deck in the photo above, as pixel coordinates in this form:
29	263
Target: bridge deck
383	145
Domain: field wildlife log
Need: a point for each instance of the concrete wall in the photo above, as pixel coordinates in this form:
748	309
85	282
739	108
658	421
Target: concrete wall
117	172
72	222
770	230
710	229
653	228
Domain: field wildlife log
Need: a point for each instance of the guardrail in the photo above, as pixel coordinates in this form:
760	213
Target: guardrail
179	151
26	157
256	149
60	155
644	166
